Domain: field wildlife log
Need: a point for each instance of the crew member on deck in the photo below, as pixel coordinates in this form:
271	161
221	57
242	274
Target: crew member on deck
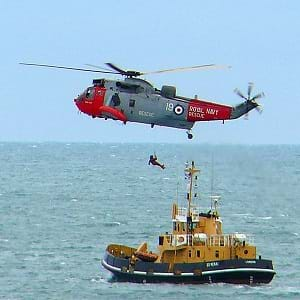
153	161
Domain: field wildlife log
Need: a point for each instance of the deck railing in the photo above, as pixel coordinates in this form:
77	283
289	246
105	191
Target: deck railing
224	240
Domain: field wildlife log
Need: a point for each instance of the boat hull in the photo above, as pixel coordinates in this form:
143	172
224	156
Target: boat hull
236	271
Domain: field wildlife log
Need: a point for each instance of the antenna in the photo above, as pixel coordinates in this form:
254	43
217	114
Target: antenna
177	186
214	203
212	180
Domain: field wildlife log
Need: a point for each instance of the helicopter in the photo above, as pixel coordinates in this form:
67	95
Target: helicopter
133	99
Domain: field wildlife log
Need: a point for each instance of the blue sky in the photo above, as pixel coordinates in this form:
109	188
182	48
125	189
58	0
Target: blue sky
259	39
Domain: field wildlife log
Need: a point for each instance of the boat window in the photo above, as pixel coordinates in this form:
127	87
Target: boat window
198	253
174	226
217	254
183	226
161	240
190	253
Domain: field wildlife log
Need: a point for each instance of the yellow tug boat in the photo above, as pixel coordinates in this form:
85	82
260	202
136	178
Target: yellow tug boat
196	251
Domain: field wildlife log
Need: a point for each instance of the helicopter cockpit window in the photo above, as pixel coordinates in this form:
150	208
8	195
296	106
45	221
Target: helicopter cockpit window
89	94
99	82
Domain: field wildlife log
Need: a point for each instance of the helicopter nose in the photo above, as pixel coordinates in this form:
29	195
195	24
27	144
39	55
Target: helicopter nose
78	99
78	102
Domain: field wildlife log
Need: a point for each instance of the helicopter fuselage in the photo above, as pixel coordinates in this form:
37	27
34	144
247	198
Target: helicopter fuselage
136	100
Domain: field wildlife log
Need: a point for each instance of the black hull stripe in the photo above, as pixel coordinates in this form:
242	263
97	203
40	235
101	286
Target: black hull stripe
204	273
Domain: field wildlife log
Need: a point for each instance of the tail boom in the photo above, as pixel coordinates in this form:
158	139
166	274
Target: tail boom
242	109
199	110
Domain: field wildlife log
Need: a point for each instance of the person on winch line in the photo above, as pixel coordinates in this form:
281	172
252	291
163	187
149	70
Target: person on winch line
154	162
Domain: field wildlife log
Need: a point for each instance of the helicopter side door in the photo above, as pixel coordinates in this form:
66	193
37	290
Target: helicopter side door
140	108
156	110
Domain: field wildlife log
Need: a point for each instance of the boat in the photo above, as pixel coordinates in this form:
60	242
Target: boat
196	251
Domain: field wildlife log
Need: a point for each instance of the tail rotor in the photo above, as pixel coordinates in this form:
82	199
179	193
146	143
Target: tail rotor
250	99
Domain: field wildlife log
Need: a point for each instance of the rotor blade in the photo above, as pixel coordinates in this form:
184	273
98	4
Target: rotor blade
258	96
112	66
250	86
210	66
68	68
98	67
238	92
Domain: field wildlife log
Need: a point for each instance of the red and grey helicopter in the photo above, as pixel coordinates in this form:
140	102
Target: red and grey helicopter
133	99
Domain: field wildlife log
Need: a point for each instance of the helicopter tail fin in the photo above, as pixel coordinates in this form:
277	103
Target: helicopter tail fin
242	109
246	106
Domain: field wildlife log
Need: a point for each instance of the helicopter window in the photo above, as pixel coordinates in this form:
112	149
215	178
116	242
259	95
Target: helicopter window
140	89
115	100
89	93
99	82
131	103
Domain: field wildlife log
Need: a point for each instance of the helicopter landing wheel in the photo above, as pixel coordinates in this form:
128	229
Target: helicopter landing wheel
189	134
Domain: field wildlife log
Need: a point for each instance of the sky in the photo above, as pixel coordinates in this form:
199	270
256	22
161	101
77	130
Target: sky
259	39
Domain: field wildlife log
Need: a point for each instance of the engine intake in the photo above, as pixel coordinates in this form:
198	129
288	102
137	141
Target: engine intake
168	91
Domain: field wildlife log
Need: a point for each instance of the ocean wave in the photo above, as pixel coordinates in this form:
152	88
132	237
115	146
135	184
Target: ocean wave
112	224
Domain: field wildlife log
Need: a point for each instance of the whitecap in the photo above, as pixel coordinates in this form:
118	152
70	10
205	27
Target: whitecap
242	215
265	218
100	279
74	200
110	224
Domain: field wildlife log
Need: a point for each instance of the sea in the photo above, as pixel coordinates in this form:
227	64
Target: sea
61	204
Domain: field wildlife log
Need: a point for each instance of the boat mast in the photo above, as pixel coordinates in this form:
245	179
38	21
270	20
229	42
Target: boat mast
190	175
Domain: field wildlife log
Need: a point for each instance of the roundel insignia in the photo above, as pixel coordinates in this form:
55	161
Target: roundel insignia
178	110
